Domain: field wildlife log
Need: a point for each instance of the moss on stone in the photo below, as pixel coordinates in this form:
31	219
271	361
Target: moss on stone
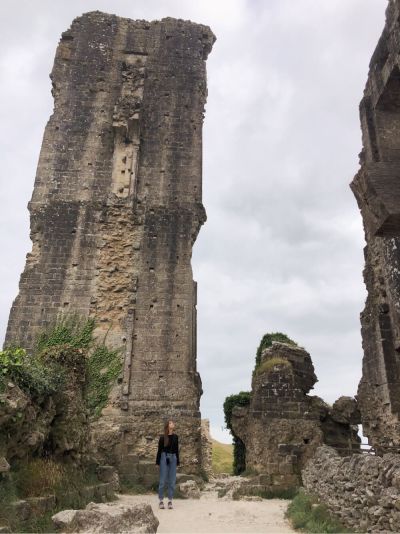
269	365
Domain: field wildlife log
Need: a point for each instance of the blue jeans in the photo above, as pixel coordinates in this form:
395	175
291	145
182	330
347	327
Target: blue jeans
167	474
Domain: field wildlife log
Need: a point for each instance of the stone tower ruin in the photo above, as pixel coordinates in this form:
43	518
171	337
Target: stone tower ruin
115	211
377	189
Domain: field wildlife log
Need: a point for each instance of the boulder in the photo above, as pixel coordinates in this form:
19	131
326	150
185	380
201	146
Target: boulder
189	489
108	517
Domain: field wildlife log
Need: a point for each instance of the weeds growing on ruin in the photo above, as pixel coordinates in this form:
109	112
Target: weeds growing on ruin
269	365
103	368
31	373
41	477
267	340
308	515
239	450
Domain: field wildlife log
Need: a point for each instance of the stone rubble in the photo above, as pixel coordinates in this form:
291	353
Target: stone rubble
282	426
362	490
108	517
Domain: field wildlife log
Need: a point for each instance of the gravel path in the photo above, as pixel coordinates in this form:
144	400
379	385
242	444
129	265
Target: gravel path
213	515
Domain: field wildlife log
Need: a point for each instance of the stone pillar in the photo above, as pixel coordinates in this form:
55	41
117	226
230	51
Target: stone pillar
377	190
115	211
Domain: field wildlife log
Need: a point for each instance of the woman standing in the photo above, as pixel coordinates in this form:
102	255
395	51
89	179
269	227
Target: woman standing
167	459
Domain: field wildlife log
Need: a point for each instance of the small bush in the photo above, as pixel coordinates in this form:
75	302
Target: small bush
306	514
267	340
239	449
38	477
30	373
70	342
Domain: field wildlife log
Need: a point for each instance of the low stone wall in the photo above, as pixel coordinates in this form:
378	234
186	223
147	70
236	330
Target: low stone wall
363	491
35	507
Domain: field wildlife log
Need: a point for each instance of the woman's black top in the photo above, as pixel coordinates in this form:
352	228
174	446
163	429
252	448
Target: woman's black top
172	447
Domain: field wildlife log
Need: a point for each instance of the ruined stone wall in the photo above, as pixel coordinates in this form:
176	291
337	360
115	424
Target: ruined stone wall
363	491
206	447
376	187
115	211
283	426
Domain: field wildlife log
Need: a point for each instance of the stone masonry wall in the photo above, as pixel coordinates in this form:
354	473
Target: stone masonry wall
376	187
283	426
363	491
115	211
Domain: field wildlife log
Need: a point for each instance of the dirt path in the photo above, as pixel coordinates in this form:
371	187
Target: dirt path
213	515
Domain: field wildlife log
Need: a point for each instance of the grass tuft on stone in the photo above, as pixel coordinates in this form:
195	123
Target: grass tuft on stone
308	515
269	365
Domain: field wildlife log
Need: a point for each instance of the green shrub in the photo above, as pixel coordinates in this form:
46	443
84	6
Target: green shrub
70	342
267	340
306	514
239	449
30	373
40	477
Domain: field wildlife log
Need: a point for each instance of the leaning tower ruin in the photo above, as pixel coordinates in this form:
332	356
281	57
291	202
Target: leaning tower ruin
115	211
377	189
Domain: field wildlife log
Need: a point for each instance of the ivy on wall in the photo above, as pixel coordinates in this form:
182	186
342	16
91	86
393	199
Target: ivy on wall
243	398
68	343
239	450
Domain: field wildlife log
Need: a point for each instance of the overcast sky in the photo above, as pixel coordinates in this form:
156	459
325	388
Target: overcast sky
282	247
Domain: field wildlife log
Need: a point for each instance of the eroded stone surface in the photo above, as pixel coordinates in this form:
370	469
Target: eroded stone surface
363	491
115	211
376	187
108	517
283	426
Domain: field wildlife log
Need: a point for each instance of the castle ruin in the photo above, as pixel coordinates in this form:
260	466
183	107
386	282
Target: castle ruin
377	189
115	211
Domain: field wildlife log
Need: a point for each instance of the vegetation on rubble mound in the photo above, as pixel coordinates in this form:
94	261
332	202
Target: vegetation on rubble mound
32	374
102	365
40	477
308	515
67	344
239	450
267	340
269	365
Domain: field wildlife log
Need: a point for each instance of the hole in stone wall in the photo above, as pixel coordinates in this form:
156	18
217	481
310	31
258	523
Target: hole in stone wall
306	440
387	119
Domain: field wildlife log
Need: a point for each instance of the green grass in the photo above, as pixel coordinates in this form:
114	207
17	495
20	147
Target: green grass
269	365
307	515
40	477
222	457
